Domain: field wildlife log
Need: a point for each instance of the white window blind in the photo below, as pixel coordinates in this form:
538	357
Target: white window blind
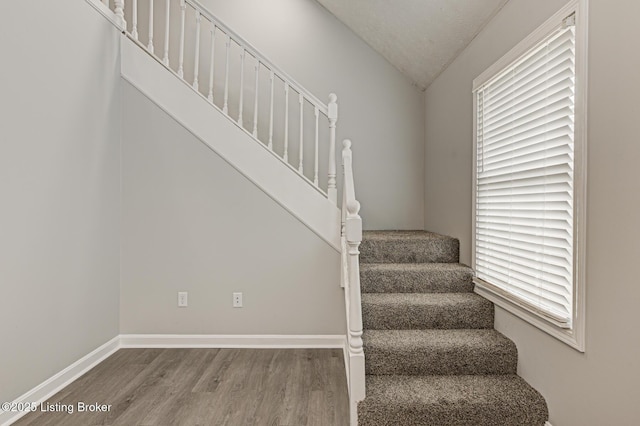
525	178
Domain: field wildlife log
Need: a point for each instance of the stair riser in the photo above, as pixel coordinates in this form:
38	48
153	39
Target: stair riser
399	251
495	400
397	281
414	317
455	361
458	416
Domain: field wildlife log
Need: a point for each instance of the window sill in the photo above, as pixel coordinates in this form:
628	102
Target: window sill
568	336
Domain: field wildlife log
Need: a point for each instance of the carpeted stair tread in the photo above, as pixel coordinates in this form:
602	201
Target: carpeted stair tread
410	311
474	400
408	247
439	352
415	278
403	235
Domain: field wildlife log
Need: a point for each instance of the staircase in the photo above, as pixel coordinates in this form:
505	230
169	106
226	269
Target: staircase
432	355
258	119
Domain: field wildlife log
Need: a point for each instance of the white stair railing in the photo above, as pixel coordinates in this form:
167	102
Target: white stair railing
351	237
323	114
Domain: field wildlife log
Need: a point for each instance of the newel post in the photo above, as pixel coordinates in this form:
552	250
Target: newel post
119	11
353	228
353	237
332	114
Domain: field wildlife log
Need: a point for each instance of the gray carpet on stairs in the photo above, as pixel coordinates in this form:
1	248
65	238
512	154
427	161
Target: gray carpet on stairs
428	352
432	356
403	311
408	247
497	400
415	278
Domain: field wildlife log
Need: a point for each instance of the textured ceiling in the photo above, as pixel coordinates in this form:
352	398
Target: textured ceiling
419	37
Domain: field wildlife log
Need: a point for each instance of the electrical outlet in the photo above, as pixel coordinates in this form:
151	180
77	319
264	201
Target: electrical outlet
183	300
237	300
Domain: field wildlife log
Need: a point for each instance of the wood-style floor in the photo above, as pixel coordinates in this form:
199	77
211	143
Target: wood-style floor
285	387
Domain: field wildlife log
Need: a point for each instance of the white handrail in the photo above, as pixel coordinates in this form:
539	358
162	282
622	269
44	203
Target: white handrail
351	237
329	110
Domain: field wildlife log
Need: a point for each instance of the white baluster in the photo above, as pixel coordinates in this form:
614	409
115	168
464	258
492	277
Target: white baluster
183	10
165	57
315	166
271	114
134	18
211	63
105	2
119	11
225	107
240	107
255	102
301	102
196	65
150	45
332	190
286	122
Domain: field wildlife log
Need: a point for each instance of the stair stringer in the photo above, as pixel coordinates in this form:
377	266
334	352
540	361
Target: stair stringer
231	142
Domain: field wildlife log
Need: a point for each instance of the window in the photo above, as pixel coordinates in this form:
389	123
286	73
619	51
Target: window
529	178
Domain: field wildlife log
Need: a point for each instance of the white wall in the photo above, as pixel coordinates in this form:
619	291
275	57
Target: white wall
380	110
192	223
59	186
598	387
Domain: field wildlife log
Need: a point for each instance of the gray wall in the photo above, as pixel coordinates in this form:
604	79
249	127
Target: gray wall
192	223
59	180
598	387
380	110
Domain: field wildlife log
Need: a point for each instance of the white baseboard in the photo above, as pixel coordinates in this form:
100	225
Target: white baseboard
230	341
60	380
548	424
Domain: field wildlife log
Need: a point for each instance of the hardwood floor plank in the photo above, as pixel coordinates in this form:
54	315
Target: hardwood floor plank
279	387
194	410
268	411
212	375
318	416
338	388
297	391
244	385
181	381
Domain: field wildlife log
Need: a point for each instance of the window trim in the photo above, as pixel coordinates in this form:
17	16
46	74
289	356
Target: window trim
575	336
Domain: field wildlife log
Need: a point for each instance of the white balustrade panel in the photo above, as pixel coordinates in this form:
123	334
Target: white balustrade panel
195	42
